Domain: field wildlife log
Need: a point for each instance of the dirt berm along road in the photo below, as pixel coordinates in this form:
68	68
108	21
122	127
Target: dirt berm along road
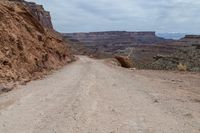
93	96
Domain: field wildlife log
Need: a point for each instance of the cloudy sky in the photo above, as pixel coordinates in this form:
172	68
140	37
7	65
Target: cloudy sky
181	16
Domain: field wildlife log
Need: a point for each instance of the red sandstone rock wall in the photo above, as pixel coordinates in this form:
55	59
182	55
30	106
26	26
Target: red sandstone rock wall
28	49
115	38
38	12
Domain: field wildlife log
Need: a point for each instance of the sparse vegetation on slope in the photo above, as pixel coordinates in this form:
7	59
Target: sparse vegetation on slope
187	58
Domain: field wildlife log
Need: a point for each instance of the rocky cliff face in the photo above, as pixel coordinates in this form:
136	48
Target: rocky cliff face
28	48
114	38
38	12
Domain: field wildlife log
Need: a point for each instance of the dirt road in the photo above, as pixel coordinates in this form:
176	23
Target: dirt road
92	96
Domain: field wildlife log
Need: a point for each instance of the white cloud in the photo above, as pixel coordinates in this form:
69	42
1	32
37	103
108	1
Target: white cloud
131	15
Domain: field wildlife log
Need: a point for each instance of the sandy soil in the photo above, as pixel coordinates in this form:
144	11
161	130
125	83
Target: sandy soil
92	96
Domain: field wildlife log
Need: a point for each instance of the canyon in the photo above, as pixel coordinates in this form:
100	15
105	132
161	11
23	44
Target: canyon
114	39
61	85
144	48
112	42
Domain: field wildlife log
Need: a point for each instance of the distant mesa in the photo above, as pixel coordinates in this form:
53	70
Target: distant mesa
192	37
115	38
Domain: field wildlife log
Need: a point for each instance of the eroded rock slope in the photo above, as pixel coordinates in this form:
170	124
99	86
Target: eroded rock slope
29	48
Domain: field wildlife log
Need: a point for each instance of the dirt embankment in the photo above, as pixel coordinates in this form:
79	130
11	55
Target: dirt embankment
28	50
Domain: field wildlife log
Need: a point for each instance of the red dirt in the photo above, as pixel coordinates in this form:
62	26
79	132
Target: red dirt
28	50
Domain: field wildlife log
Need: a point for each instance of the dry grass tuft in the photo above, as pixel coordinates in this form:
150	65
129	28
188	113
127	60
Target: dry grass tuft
181	67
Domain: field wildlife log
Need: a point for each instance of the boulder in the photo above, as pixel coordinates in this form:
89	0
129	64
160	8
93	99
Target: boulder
124	61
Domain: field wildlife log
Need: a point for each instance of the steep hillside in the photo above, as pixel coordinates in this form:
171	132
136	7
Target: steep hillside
29	47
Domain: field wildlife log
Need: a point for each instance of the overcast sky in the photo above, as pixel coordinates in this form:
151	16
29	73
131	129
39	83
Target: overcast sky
181	16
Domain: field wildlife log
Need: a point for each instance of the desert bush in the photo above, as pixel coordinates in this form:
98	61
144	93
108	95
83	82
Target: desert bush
181	67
